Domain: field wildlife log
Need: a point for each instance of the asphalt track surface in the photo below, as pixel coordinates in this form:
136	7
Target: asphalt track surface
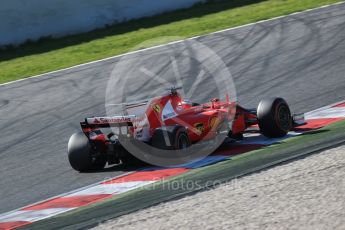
300	58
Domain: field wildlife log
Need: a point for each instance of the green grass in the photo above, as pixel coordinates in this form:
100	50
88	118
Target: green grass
52	54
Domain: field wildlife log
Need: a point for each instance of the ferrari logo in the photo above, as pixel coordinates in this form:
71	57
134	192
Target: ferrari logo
156	108
199	127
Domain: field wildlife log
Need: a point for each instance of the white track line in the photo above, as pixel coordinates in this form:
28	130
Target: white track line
65	194
170	43
311	114
33	215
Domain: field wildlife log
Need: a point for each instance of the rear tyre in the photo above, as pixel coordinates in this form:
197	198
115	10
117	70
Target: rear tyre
171	138
80	154
274	117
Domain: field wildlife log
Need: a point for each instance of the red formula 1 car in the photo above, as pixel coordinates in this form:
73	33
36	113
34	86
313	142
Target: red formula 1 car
169	122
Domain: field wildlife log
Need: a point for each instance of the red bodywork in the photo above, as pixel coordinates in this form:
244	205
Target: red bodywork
201	121
169	122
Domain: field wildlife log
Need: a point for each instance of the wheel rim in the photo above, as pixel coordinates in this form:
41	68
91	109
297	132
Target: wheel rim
284	118
183	142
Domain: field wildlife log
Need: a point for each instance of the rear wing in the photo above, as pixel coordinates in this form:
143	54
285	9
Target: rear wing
109	120
106	122
135	109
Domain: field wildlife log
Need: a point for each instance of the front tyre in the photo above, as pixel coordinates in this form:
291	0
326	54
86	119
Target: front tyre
80	154
274	117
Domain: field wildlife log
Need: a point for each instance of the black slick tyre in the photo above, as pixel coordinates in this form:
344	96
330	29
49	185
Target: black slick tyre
80	154
274	117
